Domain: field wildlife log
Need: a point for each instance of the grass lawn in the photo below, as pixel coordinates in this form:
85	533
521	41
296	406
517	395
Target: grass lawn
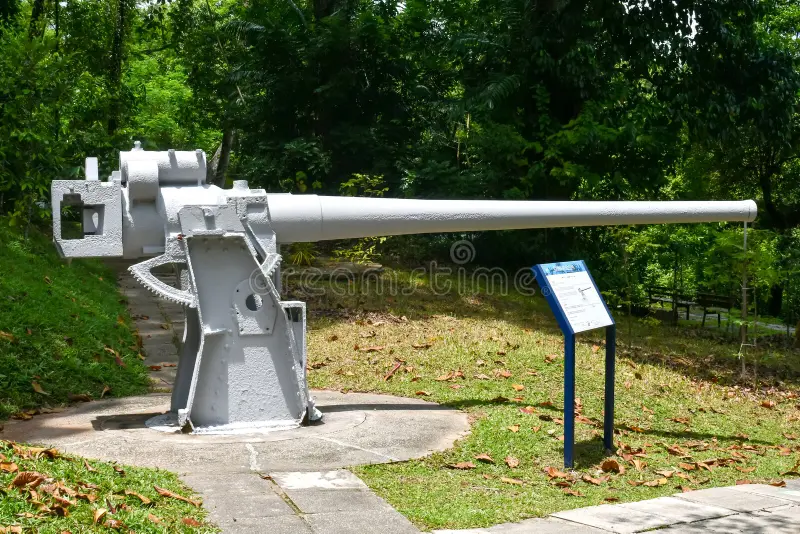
64	333
686	419
46	493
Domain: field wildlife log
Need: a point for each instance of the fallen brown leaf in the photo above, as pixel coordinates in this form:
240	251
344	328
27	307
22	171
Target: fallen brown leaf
611	465
392	371
595	481
485	458
191	522
141	497
574	493
99	513
422	393
515	481
462	465
517	387
654	483
167	493
512	462
27	479
514	428
37	388
552	472
9	467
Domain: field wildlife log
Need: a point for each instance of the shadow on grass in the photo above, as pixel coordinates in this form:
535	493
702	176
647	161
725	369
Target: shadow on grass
589	452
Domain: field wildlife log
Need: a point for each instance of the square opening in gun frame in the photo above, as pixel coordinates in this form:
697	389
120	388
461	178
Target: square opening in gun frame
78	219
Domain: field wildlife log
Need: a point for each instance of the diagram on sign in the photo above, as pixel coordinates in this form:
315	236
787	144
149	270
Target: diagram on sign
576	293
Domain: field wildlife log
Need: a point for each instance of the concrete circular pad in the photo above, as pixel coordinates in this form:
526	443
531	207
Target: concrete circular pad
357	428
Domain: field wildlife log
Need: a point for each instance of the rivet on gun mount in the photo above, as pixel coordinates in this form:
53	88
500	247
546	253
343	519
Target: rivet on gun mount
243	362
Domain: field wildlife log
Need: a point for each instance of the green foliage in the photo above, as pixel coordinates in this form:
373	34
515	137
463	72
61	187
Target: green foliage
303	254
486	99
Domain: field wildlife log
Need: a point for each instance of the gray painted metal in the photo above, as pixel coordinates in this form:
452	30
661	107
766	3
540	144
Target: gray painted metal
243	362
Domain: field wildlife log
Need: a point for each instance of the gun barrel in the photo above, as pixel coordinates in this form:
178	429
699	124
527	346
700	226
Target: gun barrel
306	218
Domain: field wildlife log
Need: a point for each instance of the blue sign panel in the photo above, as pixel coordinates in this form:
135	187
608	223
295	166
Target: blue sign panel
578	306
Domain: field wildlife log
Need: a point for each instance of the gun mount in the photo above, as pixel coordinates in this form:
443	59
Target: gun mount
243	361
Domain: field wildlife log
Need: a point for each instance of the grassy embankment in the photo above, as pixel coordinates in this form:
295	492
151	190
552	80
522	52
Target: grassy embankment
65	336
686	419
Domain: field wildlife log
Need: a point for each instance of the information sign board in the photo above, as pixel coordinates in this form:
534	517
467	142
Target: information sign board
578	306
577	295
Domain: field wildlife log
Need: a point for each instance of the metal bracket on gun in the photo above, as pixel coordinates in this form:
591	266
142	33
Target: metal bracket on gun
173	253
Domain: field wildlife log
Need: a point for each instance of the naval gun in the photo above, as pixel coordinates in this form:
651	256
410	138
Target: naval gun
242	366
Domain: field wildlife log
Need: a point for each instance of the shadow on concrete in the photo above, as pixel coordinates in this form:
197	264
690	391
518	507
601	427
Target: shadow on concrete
122	421
381	407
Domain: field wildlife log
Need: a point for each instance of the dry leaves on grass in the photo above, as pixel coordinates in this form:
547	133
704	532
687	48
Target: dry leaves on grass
191	522
98	515
38	388
552	473
462	466
28	479
517	387
596	481
173	495
515	481
572	492
9	467
610	465
485	458
376	348
141	497
512	462
514	428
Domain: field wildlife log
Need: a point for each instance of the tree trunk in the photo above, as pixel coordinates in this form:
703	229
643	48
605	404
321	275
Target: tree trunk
37	10
224	156
775	305
115	68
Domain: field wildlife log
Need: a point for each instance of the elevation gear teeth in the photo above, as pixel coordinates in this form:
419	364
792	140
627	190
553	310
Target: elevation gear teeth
142	272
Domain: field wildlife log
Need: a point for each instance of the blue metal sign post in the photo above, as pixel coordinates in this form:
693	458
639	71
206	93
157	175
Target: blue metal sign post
577	305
